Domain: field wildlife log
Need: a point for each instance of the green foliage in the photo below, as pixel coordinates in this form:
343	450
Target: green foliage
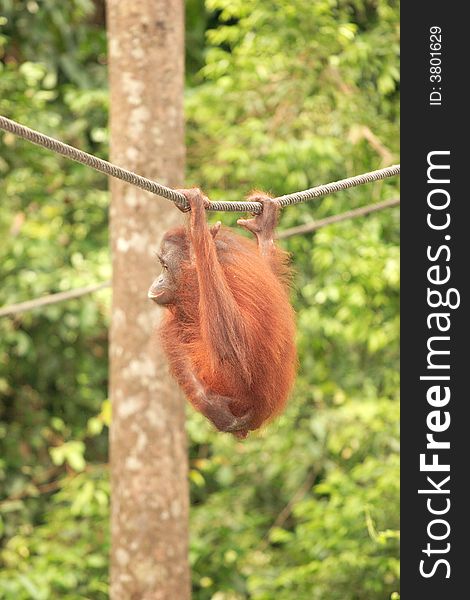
64	555
53	372
280	96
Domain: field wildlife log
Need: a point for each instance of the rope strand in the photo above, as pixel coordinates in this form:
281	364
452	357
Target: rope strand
350	214
177	197
21	307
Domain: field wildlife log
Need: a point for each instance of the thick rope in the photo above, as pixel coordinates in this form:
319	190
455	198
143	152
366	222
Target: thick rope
92	161
177	197
336	186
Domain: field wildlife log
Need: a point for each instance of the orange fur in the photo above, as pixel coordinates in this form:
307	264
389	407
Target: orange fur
233	321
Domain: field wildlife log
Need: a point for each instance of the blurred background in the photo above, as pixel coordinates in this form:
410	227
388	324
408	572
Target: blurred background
280	96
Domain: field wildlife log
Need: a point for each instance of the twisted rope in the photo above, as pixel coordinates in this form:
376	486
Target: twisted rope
177	197
92	161
336	186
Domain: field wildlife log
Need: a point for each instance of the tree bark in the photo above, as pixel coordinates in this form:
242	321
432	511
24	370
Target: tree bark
149	506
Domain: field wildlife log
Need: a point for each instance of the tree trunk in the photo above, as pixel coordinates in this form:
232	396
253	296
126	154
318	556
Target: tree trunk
149	520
